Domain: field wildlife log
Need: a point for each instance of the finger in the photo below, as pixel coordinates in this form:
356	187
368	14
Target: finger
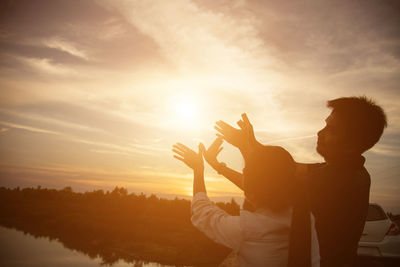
218	125
178	148
249	127
224	125
221	136
220	149
202	148
217	142
180	153
220	130
241	124
187	149
183	147
245	119
226	139
179	158
199	150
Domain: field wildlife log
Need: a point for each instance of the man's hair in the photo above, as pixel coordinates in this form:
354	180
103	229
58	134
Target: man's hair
269	177
363	120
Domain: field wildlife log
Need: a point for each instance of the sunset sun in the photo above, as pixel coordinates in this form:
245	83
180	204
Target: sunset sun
185	111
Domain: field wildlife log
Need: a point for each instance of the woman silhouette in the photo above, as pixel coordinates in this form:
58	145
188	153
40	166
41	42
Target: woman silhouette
259	237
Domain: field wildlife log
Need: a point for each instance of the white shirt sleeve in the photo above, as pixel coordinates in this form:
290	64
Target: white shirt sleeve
215	222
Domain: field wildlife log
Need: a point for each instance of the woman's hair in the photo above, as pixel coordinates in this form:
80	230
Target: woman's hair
269	177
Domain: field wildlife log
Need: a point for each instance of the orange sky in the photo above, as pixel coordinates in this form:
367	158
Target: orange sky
94	93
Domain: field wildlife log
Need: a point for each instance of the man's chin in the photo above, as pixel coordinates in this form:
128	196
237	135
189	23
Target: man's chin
320	151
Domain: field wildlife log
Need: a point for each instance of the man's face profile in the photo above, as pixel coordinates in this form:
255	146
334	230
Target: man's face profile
331	138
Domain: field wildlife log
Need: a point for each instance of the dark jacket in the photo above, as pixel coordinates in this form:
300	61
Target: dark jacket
339	195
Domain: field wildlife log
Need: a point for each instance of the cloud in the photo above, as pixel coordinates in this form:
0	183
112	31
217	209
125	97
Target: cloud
31	116
292	139
28	128
232	45
93	83
52	51
69	48
110	148
387	150
45	66
81	34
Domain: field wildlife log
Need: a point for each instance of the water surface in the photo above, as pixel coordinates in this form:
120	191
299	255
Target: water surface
19	249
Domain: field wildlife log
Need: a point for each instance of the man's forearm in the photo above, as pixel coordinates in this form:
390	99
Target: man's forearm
246	151
233	176
198	182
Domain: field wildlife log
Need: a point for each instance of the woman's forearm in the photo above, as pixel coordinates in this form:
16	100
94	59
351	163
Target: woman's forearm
198	182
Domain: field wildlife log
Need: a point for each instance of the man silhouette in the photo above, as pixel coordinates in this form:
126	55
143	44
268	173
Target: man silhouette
339	187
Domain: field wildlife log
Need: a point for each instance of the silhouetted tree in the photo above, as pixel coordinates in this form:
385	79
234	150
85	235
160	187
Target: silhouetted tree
113	225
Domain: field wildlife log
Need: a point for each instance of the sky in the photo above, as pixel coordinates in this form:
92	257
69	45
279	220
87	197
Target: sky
93	94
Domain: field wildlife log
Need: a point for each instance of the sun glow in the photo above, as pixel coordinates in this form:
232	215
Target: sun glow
185	111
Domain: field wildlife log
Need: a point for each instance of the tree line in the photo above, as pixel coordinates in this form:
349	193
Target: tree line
113	225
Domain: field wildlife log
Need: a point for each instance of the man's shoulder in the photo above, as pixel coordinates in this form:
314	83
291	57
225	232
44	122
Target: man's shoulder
339	176
363	177
315	166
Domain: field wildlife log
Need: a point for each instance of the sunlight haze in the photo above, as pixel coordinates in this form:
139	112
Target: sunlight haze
95	93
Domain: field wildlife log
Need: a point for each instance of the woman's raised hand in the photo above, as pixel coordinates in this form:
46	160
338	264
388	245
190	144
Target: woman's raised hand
212	152
192	159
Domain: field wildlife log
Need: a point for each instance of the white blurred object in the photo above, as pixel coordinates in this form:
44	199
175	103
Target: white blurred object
381	236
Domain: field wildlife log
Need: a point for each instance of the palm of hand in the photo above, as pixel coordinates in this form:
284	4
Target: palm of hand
212	152
236	137
192	159
242	138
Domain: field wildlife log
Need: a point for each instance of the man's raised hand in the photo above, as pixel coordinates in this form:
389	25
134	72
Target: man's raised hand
230	134
242	138
246	126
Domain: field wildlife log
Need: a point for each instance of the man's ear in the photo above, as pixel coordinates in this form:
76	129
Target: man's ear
353	151
352	146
